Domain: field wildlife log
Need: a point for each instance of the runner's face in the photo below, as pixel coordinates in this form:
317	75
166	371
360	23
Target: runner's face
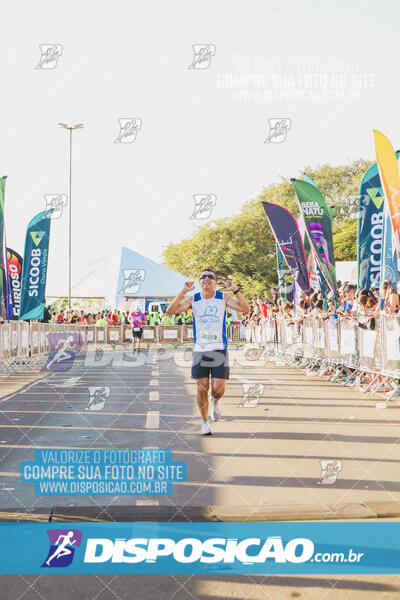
207	283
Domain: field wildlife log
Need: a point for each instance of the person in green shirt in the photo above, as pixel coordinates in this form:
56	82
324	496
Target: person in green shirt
153	320
229	319
166	320
101	321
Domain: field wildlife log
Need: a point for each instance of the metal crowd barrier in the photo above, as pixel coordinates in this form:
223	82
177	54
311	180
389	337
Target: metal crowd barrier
339	348
26	345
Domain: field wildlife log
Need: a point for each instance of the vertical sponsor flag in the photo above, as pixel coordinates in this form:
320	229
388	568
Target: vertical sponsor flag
309	255
286	231
389	269
317	219
370	223
390	178
34	271
322	284
3	310
284	286
6	281
14	268
280	267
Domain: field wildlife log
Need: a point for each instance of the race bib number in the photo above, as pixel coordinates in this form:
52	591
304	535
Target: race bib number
207	336
136	329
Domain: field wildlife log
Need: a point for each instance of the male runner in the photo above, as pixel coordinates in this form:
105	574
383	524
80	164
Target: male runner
210	354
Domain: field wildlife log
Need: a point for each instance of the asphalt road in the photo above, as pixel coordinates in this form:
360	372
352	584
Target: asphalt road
263	458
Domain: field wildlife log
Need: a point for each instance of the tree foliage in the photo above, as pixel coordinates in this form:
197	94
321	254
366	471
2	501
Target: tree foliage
345	240
243	247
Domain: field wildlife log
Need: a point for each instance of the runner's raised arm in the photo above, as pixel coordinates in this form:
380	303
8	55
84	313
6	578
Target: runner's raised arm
180	303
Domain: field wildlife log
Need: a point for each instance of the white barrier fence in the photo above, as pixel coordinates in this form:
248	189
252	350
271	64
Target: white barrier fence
22	343
335	346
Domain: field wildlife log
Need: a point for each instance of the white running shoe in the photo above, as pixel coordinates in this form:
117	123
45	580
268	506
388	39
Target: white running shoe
215	412
205	428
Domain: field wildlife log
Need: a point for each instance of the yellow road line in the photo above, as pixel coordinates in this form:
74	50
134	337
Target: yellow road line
70	428
93	412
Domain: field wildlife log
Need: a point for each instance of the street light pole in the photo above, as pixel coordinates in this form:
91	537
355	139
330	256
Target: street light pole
78	126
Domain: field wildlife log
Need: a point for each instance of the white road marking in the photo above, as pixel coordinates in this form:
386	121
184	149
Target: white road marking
153	419
154	396
154	382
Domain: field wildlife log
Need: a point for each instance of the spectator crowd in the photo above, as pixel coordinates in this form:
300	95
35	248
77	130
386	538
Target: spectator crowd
117	317
111	318
361	306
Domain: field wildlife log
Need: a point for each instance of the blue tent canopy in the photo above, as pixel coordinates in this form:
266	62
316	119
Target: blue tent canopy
141	277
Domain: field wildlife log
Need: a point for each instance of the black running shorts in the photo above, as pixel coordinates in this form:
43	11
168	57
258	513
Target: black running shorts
137	332
213	362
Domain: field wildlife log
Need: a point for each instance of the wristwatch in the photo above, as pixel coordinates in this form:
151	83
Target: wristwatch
236	291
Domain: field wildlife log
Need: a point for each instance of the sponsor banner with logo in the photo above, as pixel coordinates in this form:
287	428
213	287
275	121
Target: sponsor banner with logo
318	223
6	282
14	268
205	548
389	268
34	270
285	287
371	202
390	178
311	263
316	269
286	231
3	307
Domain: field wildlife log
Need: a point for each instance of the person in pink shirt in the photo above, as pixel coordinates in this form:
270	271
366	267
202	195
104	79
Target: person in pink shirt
137	320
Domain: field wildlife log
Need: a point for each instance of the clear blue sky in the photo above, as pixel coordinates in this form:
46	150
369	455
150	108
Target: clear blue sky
203	131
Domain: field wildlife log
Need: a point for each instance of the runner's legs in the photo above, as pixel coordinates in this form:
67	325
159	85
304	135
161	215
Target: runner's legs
203	385
217	389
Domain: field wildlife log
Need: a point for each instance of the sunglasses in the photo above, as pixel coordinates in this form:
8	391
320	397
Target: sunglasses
207	277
